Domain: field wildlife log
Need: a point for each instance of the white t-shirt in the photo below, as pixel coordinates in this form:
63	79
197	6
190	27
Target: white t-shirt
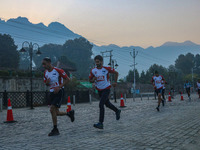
157	81
56	77
102	75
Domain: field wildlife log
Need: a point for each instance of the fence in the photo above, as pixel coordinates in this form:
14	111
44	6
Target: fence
23	99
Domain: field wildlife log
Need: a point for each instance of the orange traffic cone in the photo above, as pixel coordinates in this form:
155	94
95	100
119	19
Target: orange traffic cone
69	108
169	98
9	113
181	96
122	102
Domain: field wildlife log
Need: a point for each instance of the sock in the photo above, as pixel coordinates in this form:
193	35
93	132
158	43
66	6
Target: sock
55	126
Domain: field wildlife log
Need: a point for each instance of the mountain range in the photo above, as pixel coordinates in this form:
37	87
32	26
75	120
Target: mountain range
21	29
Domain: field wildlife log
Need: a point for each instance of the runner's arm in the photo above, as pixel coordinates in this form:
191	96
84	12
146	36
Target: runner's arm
65	82
92	78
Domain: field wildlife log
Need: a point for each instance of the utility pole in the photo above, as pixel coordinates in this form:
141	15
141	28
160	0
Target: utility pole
193	79
134	64
111	64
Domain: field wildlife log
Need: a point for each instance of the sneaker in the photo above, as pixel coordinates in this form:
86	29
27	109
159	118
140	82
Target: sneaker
99	125
163	102
71	115
118	114
157	108
54	132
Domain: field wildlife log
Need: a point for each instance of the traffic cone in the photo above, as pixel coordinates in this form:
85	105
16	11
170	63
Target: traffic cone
9	113
122	102
69	108
169	98
181	96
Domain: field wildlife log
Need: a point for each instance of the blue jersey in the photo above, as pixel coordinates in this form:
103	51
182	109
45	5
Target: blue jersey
187	85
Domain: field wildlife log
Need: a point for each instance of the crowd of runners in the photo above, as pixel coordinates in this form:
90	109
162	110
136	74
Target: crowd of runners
56	79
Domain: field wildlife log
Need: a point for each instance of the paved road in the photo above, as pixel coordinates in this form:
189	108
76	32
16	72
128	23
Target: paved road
141	127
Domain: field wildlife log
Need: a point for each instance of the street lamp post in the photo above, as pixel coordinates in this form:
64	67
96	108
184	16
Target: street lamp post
31	52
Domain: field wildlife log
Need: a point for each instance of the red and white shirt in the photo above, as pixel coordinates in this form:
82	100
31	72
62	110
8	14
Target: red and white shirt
158	81
56	77
102	76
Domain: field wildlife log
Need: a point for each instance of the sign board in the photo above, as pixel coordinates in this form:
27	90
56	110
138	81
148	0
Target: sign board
86	84
136	91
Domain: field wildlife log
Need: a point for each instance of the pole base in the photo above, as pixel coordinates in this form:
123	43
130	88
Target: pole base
122	106
31	108
10	121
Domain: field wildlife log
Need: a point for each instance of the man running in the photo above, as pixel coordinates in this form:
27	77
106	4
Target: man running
163	90
187	86
198	87
157	83
56	79
100	76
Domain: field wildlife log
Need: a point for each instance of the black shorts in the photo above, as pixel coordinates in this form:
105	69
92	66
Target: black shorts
158	91
187	90
56	99
198	91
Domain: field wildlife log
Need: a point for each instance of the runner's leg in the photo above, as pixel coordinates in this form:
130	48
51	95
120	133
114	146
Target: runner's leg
104	98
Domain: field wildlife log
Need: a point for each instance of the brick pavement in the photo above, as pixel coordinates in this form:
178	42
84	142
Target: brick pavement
141	127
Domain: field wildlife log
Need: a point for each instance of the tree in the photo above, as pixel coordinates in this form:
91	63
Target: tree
9	55
185	63
142	77
66	61
130	76
53	51
146	77
79	51
197	64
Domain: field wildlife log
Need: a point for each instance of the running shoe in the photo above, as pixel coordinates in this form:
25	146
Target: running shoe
99	125
71	115
54	132
118	114
157	108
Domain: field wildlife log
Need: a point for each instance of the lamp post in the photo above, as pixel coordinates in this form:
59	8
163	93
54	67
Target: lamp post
31	52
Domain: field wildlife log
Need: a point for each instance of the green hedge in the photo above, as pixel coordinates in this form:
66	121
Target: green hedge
9	73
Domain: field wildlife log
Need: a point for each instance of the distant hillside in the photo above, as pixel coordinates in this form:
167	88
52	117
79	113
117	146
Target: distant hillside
165	55
23	30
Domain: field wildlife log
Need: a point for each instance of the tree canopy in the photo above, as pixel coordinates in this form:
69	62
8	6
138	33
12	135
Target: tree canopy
9	55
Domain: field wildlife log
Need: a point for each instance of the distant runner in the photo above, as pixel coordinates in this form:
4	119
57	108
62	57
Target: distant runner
56	79
187	87
163	91
198	87
157	83
100	76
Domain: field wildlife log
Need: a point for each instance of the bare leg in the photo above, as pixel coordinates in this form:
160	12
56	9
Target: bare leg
159	99
53	114
59	113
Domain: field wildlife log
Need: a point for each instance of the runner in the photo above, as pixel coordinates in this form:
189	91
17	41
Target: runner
198	87
163	91
187	86
56	79
100	76
157	83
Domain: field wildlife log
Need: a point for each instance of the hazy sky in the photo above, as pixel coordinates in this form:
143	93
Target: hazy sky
122	22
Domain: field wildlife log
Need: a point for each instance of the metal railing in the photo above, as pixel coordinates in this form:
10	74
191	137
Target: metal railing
22	99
